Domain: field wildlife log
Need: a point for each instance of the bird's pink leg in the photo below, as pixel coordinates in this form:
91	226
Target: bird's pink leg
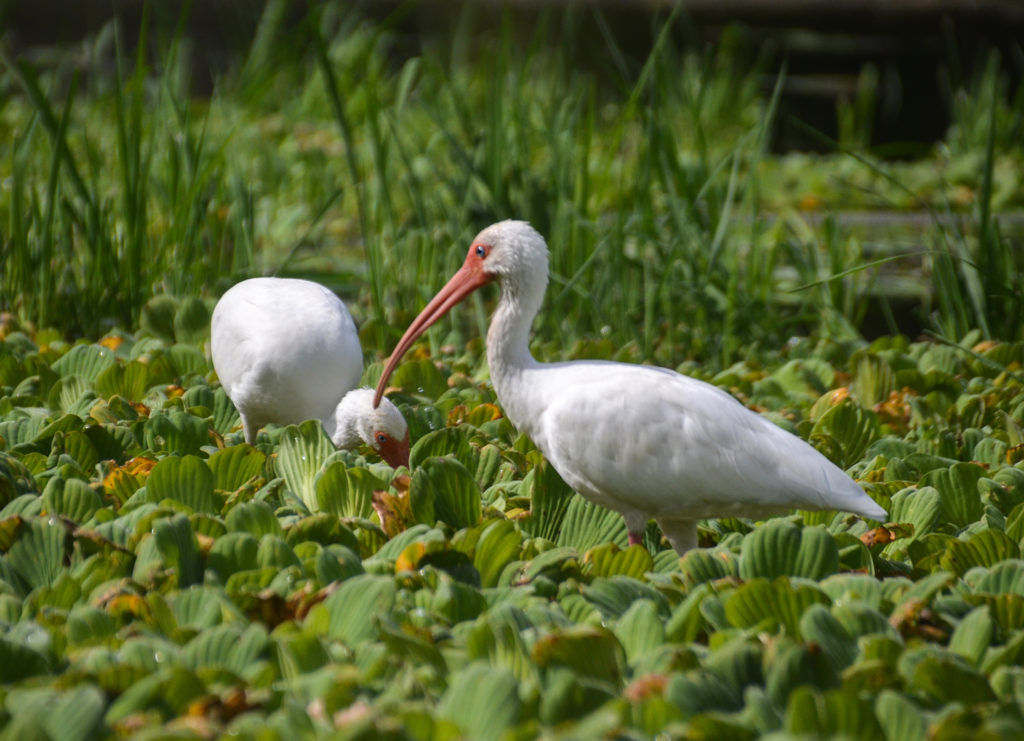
636	538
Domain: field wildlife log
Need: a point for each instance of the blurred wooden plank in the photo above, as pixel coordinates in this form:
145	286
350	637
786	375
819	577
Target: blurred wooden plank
793	10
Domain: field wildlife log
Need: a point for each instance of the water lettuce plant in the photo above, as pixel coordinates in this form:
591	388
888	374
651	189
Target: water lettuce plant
159	576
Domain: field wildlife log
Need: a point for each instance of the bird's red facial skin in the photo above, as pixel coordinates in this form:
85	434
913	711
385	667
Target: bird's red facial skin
395	452
466	280
478	252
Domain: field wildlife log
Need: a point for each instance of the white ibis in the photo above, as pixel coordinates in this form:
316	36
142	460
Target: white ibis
646	442
286	350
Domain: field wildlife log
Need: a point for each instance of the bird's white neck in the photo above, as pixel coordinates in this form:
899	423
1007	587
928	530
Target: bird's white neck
340	426
347	424
508	345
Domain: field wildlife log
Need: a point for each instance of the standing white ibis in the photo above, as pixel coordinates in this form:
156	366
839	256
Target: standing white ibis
286	350
646	442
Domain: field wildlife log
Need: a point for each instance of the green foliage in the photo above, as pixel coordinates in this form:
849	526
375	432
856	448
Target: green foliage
304	448
481	596
158	580
329	147
442	489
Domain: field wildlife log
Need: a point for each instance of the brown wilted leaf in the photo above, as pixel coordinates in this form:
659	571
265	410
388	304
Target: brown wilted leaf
915	619
9	528
131	724
270	607
456	416
196	725
173	390
111	342
810	202
885	534
222	708
901	529
200	706
124	604
878	536
478	415
1015	454
140	465
408	560
215	438
876	476
94	538
118	485
838	396
895	411
245	492
394	511
123	481
308	601
649	685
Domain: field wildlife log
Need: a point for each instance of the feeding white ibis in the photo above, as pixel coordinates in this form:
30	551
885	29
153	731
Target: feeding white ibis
286	350
644	441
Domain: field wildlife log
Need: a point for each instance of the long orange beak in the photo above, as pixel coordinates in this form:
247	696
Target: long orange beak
466	280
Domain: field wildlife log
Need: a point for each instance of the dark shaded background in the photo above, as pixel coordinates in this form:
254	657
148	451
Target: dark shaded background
921	49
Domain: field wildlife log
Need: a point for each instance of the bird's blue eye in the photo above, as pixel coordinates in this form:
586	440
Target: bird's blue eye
481	251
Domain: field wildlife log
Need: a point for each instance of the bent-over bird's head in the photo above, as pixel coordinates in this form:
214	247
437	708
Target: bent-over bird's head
382	427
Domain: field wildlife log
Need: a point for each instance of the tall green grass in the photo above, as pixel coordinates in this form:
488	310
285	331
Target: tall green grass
330	150
128	204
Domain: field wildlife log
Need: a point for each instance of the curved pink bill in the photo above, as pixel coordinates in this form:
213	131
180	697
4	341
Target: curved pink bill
466	280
